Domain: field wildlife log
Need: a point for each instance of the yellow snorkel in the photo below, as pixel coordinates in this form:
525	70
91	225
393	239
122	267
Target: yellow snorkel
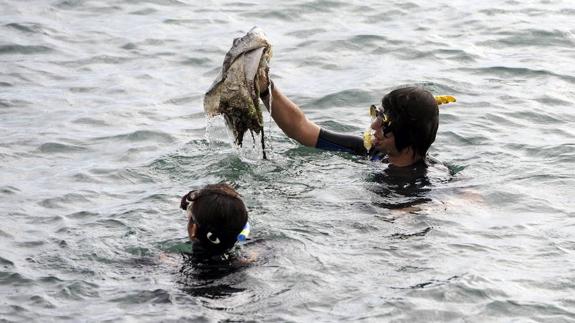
444	99
368	135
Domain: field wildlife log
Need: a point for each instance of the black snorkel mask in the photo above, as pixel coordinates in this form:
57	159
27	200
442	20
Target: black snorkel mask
386	120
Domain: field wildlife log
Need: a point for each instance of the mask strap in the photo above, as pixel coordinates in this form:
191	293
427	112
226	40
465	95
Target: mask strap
212	237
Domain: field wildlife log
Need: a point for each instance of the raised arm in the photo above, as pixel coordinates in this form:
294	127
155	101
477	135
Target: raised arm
291	119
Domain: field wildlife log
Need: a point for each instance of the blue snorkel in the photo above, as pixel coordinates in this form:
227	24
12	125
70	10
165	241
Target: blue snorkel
243	236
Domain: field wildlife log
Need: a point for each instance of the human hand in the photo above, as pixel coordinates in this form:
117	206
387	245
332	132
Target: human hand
263	82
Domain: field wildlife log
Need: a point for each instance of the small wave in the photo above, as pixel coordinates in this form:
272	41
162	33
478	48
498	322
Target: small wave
59	202
306	33
158	296
24	50
81	89
552	101
156	198
144	12
123	175
5	234
78	290
318	62
494	11
9	190
27	27
342	98
533	38
5	263
197	61
321	6
142	135
55	147
537	117
129	46
357	43
39	301
82	215
168	3
184	100
523	72
278	15
567	12
91	121
454	55
14	279
111	224
530	311
50	280
100	59
14	103
30	244
84	178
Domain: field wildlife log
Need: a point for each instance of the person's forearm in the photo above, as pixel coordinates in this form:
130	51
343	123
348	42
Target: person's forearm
291	119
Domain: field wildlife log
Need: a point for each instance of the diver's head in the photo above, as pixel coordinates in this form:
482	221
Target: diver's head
409	119
216	215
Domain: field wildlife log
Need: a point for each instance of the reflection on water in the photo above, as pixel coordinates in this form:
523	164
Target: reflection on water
206	275
405	187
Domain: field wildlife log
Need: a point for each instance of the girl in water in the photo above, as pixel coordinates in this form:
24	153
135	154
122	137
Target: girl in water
217	219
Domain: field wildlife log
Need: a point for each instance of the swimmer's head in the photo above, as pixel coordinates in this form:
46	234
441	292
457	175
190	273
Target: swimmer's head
412	115
217	215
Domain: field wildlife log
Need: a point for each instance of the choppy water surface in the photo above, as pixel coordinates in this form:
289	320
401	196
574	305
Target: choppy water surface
102	129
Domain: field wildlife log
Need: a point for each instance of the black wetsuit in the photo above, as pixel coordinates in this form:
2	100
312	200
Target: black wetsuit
333	141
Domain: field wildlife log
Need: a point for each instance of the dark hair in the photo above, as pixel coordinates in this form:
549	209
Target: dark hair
415	118
220	215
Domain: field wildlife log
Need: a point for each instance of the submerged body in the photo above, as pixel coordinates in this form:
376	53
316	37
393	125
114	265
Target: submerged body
235	92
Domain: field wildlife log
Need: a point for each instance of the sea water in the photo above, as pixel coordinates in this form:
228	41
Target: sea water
102	130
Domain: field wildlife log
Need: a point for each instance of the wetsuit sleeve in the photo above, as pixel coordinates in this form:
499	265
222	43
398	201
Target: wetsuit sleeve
339	142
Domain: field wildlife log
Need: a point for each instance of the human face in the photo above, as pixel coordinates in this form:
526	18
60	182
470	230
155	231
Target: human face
381	124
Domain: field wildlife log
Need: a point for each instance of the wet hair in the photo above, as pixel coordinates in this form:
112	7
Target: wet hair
220	215
415	118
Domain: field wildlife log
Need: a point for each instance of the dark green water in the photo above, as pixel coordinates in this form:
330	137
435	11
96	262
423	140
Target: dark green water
102	130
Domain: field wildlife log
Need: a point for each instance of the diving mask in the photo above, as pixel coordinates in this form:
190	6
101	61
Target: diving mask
376	112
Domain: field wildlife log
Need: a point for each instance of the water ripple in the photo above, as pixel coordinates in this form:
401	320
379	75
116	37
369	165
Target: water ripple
63	201
533	38
5	263
518	72
141	135
14	279
55	147
342	99
24	49
158	296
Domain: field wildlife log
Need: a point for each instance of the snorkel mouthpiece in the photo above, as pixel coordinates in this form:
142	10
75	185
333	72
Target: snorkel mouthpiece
243	236
368	139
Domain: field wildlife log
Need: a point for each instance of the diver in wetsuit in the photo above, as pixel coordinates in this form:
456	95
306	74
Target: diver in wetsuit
404	127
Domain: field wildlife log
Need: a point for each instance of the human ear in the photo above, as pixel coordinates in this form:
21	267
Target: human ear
192	230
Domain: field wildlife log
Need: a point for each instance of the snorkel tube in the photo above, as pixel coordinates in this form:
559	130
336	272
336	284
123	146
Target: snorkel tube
243	236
